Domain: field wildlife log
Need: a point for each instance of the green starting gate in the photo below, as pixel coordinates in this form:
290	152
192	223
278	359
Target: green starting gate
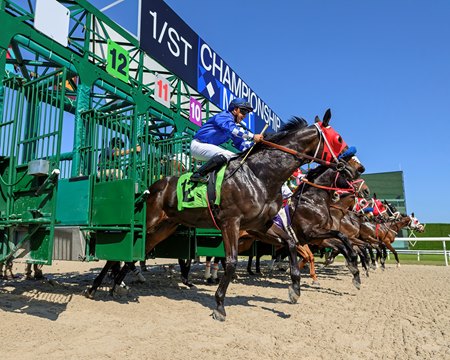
64	193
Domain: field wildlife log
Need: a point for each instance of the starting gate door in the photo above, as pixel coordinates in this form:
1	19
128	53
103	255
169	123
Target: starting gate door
30	146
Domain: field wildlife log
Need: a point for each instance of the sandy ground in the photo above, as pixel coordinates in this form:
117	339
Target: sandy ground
398	314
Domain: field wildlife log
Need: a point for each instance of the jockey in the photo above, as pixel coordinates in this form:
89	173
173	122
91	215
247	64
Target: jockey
378	207
362	206
296	178
218	130
282	219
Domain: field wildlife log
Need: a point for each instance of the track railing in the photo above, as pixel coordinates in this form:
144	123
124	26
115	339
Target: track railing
412	240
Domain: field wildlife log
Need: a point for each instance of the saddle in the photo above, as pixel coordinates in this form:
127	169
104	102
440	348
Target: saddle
192	195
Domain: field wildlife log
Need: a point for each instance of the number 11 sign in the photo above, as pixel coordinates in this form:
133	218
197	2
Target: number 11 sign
162	91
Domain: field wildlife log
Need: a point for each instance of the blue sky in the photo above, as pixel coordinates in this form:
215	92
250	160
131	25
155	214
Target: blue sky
382	66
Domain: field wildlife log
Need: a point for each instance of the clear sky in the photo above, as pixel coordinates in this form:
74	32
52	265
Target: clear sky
382	66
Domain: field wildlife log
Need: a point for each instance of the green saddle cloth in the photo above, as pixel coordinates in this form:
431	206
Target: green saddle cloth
193	195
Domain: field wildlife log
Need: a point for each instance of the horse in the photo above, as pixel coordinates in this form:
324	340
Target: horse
316	228
316	210
280	252
350	224
384	234
251	195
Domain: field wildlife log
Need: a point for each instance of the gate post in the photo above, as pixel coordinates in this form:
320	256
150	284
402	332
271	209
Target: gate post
79	139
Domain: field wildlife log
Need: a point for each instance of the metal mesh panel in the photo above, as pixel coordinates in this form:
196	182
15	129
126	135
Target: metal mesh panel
170	157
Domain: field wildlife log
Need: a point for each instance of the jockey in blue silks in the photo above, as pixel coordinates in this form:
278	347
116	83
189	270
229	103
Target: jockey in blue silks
218	130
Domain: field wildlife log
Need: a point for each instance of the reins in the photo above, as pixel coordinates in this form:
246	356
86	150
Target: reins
337	166
351	190
298	154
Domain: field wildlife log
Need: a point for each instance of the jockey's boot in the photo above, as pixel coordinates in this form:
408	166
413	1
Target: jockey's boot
216	162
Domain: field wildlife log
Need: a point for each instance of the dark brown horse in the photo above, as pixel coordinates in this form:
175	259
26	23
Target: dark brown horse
312	207
384	234
250	198
331	205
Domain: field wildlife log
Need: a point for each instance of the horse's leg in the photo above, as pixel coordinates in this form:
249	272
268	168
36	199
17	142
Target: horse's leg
294	288
258	264
119	288
90	292
330	255
352	259
392	250
312	268
372	257
28	271
343	249
185	268
378	256
249	265
370	253
382	256
136	272
230	234
38	274
363	258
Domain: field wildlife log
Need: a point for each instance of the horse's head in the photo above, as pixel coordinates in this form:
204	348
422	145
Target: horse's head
334	146
415	224
318	142
361	189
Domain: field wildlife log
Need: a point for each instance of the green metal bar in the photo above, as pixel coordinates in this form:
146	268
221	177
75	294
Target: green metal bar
13	250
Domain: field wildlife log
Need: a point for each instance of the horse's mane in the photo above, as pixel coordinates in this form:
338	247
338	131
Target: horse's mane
313	174
294	124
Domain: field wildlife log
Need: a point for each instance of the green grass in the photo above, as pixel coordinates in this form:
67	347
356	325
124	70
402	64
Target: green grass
411	259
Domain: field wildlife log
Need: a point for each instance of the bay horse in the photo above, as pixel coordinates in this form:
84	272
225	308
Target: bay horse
317	227
316	210
307	257
250	196
340	205
385	233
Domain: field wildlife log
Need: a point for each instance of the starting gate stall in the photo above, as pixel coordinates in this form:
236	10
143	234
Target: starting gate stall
69	101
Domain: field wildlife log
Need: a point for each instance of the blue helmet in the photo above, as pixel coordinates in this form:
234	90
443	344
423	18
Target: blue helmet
240	103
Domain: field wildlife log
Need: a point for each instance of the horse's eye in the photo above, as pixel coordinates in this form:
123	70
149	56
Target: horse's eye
339	139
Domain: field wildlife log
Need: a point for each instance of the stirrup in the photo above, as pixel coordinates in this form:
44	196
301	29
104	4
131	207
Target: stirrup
196	177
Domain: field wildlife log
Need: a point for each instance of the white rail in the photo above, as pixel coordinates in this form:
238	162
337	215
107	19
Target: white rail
443	252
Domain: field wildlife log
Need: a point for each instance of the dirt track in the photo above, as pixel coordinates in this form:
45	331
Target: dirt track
398	314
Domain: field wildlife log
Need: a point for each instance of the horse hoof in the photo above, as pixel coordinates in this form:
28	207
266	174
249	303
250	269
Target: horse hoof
217	315
120	290
315	282
88	293
188	284
357	283
398	265
293	296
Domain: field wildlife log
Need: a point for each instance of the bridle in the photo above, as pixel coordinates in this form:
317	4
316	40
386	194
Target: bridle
338	165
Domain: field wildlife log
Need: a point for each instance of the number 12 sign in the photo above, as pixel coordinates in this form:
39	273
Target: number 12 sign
162	91
118	64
